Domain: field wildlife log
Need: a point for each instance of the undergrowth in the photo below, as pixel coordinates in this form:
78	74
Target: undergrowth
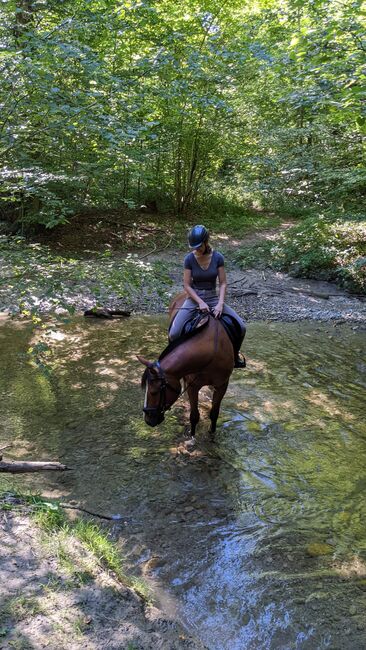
229	216
325	248
36	280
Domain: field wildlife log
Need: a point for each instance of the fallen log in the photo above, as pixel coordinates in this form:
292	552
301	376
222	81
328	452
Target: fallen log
107	313
23	466
247	292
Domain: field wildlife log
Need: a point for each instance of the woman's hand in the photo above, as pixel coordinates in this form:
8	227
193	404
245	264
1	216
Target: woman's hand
218	310
202	306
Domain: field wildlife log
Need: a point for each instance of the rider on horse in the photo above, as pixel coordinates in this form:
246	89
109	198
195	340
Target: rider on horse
202	267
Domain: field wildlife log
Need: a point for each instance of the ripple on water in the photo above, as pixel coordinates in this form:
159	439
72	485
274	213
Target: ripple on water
233	525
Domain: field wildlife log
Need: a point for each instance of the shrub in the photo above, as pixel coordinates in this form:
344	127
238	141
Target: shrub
320	247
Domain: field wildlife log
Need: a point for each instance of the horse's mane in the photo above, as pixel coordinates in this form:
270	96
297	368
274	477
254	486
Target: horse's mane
174	344
144	378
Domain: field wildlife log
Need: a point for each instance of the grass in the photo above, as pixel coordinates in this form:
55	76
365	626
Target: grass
60	536
51	518
21	607
323	247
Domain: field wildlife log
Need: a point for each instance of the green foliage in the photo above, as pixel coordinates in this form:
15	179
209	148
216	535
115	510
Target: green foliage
324	248
105	105
227	213
39	280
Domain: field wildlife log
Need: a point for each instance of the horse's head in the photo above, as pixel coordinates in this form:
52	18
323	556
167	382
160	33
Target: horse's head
161	391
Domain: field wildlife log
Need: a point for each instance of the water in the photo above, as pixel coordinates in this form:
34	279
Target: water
257	541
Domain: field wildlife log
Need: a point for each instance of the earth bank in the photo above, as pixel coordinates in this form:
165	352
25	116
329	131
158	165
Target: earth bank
54	593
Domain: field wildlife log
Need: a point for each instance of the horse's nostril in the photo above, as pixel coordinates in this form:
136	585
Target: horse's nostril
152	422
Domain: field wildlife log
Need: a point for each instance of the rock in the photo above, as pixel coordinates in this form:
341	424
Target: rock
317	549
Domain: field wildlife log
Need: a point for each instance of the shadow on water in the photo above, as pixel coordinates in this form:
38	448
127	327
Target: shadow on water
258	541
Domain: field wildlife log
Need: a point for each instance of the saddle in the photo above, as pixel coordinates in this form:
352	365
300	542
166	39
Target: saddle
232	329
199	322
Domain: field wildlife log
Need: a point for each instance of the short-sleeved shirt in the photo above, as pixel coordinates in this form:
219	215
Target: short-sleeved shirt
204	278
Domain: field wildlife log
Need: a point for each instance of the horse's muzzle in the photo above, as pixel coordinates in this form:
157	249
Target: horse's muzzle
154	420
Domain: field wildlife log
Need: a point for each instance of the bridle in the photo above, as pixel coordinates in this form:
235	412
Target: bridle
162	407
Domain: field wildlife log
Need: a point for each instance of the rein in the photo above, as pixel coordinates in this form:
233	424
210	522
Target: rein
162	407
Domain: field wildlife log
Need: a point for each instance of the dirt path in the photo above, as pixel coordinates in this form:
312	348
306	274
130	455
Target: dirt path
271	295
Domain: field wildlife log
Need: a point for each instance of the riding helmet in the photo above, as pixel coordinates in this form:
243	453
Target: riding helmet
197	236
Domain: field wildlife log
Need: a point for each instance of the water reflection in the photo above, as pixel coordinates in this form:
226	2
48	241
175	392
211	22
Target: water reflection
258	539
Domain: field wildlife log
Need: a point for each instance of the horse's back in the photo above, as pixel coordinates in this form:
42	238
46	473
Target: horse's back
221	337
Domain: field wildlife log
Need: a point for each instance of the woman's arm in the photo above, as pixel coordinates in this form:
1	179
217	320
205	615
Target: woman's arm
222	291
187	279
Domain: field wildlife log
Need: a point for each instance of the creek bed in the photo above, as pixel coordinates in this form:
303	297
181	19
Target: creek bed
255	541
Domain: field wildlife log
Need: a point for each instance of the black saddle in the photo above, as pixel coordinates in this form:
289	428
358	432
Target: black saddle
232	329
198	322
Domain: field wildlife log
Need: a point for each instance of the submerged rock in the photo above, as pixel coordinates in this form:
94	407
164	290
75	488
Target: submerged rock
316	549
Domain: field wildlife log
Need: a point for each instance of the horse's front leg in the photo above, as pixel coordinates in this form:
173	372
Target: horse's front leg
218	394
193	401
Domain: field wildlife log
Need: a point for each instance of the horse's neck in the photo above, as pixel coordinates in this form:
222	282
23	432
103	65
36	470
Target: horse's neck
192	355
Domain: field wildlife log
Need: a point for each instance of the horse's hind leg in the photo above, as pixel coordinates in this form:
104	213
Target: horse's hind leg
195	414
218	394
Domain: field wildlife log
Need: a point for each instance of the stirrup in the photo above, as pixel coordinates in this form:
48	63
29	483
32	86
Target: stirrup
240	362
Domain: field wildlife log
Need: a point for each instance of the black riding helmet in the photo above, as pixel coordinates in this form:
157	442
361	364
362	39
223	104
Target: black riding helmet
197	236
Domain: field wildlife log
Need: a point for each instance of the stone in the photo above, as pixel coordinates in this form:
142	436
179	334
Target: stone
317	549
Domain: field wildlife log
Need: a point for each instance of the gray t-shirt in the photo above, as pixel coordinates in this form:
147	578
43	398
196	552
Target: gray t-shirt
204	278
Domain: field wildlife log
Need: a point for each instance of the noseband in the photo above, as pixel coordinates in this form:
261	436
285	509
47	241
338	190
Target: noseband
162	407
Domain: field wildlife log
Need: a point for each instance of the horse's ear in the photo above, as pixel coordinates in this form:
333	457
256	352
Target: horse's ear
144	361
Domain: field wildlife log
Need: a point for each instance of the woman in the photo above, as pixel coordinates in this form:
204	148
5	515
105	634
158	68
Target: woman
202	267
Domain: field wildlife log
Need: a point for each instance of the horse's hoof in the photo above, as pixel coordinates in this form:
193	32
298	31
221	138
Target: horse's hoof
189	444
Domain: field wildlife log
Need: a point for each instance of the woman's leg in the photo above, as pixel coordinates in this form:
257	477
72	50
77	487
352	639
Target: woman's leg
231	312
185	313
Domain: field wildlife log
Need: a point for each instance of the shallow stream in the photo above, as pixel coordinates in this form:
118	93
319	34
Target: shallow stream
255	541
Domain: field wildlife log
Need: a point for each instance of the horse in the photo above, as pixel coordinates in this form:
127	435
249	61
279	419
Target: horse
205	359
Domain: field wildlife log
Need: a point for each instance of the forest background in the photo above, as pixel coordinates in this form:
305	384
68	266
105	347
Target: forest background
204	110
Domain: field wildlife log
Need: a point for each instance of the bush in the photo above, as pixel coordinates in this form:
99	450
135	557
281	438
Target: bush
320	247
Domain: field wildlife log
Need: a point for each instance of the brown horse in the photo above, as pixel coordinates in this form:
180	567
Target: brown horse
206	359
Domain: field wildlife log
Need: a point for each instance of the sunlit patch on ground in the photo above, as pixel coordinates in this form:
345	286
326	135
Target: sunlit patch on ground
354	567
328	405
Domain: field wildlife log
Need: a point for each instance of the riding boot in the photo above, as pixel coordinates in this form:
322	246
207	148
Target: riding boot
239	358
